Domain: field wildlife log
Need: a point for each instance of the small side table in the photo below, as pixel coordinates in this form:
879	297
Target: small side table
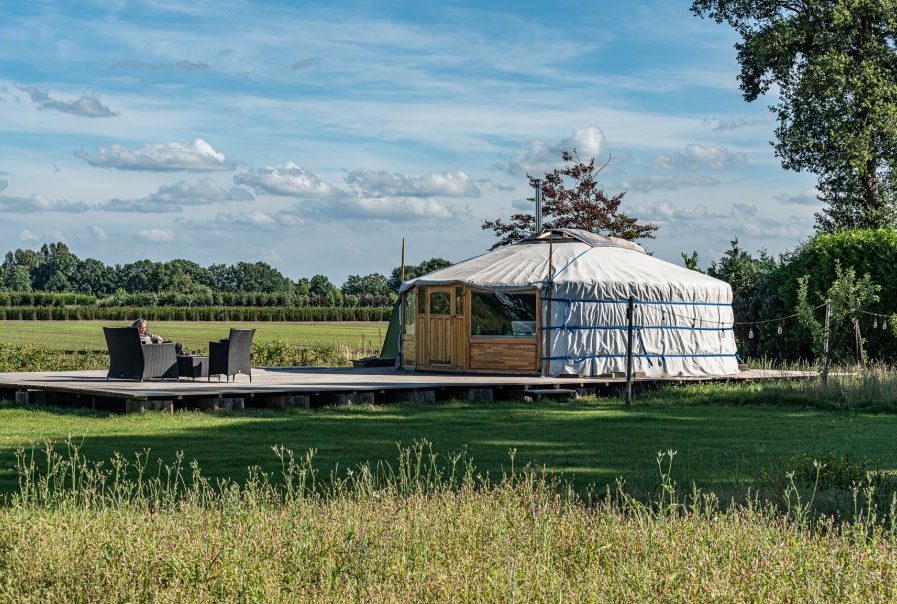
193	366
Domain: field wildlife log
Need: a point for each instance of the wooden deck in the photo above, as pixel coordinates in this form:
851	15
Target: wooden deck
307	386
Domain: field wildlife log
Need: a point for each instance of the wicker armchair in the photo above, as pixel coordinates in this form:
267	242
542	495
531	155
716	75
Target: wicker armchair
231	356
130	359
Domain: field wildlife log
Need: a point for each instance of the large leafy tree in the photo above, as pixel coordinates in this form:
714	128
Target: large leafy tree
571	198
834	66
413	271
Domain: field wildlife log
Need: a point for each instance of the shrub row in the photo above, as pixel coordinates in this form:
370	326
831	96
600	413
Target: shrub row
45	299
266	299
175	313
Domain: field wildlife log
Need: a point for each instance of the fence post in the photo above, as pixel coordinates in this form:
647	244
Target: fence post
825	348
627	395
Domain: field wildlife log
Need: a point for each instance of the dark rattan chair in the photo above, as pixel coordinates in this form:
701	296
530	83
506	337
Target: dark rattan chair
130	359
231	356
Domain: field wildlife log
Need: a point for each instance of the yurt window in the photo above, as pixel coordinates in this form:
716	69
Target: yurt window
421	300
408	313
440	303
503	314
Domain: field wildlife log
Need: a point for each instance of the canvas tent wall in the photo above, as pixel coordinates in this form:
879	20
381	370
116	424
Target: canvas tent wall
682	320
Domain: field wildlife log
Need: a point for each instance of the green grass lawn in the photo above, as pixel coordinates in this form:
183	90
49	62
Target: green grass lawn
589	442
88	335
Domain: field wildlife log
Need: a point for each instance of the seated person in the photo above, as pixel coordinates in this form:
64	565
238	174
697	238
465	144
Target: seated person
145	336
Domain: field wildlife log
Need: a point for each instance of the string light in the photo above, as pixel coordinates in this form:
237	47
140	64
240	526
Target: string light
779	330
875	323
751	334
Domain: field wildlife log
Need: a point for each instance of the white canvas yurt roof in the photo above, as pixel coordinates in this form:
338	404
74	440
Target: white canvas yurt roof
683	318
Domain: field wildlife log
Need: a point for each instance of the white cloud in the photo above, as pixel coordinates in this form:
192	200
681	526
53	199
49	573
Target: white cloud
288	180
770	228
193	156
805	198
86	106
26	235
173	197
539	155
697	157
398	209
646	184
38	203
384	184
164	235
730	123
98	233
667	212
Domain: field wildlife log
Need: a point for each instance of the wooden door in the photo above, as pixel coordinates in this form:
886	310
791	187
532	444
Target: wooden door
440	321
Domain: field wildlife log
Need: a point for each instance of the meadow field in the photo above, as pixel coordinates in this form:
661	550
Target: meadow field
765	491
195	335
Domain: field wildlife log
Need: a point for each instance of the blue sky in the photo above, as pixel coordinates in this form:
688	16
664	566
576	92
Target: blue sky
315	135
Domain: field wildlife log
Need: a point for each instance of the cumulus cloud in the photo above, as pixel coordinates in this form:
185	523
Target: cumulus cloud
26	235
372	183
289	180
38	203
646	184
164	235
98	233
193	156
380	208
86	106
173	197
701	157
806	198
539	155
770	228
307	63
667	211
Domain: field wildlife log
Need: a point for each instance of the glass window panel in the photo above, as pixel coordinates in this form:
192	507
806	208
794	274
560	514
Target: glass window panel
408	313
440	303
459	301
421	300
503	314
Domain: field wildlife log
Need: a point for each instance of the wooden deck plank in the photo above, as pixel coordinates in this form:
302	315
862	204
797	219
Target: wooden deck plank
308	380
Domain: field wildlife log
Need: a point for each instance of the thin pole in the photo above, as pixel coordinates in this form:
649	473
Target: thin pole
403	261
546	353
627	396
538	186
825	360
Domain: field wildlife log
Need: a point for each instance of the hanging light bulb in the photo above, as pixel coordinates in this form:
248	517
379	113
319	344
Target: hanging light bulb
751	334
875	323
779	330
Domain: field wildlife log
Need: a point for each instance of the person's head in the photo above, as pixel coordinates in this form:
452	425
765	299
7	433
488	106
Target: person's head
140	324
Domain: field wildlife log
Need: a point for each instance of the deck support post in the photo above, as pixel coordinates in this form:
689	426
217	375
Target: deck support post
627	395
22	397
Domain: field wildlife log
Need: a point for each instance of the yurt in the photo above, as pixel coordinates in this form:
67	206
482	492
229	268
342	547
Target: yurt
556	304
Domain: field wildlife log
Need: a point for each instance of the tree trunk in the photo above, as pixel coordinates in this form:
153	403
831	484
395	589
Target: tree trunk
871	196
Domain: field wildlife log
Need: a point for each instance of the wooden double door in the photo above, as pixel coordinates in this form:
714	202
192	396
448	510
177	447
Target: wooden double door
442	328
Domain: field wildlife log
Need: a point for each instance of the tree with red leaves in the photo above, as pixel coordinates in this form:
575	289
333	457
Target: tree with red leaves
571	199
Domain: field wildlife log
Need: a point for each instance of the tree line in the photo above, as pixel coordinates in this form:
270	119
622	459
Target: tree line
55	268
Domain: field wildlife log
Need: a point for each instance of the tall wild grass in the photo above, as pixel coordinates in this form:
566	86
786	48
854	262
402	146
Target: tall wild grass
420	529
